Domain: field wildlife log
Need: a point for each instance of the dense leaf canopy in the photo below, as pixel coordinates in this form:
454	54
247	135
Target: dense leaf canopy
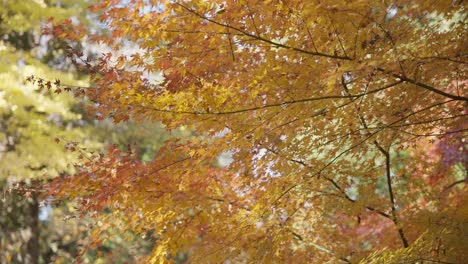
342	123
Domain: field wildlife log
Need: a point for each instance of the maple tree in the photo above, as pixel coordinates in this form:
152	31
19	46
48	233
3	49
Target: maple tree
343	122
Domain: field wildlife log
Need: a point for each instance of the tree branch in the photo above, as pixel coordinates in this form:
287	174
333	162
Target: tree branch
289	102
321	248
359	143
333	182
425	86
453	184
391	194
388	172
279	45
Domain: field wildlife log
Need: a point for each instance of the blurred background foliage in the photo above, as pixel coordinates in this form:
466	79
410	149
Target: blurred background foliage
37	130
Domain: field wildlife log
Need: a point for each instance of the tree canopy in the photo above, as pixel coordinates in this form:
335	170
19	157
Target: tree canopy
343	124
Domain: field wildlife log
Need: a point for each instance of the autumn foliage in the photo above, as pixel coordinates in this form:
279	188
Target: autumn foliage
344	122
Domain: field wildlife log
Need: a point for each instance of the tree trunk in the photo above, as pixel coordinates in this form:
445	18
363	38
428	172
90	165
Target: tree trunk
32	255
